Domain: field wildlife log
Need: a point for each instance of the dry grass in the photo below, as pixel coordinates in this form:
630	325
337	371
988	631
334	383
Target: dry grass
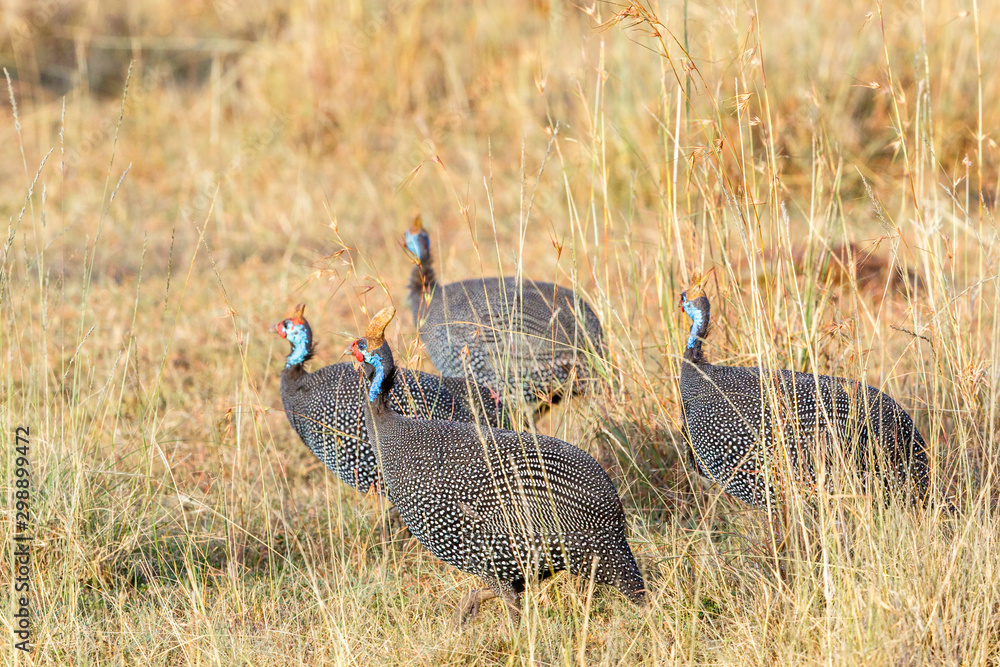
261	158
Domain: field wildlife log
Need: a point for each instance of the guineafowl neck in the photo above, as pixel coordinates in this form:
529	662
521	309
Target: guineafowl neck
302	349
295	395
378	413
291	376
380	406
699	327
693	353
381	380
422	281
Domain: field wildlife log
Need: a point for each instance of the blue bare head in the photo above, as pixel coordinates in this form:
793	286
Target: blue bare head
373	366
418	242
374	353
698	310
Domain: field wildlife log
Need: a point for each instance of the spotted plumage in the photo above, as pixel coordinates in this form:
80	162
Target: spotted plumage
326	407
757	432
509	507
533	340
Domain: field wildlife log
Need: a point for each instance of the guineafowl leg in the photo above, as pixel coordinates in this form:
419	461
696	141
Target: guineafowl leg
394	531
776	541
468	606
512	600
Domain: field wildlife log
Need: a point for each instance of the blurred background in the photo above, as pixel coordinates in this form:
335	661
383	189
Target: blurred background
178	175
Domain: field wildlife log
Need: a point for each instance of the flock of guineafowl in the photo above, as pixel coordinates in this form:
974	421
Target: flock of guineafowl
514	507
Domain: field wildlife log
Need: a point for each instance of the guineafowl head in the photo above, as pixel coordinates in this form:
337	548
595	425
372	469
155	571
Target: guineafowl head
417	241
696	307
374	354
298	333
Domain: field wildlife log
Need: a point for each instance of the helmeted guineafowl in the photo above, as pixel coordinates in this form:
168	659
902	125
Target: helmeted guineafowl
509	507
326	408
522	339
752	429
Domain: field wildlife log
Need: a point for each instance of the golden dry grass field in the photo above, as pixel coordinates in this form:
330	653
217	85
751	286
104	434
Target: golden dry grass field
177	175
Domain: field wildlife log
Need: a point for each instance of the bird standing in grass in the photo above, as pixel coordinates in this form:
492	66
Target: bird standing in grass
508	507
753	431
326	407
533	340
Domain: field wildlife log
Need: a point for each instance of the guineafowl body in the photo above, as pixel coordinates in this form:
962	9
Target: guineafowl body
522	339
326	408
755	431
509	507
